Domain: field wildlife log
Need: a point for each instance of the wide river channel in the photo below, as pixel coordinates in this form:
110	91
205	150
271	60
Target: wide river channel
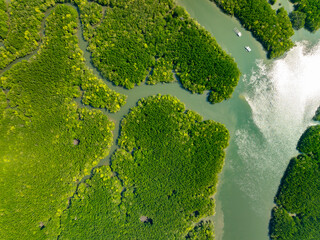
269	110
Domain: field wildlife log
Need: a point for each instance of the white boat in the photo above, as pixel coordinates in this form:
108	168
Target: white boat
248	48
239	34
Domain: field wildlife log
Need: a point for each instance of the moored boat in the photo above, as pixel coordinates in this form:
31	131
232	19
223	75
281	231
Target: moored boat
248	48
236	30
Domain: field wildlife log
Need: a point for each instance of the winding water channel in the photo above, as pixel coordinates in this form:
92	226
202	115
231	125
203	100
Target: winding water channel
263	137
271	107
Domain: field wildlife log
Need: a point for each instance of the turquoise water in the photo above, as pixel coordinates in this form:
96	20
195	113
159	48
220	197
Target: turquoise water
227	112
271	107
234	112
263	138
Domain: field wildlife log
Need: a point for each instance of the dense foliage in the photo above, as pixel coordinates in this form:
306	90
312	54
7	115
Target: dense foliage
25	24
47	142
201	231
163	38
298	19
310	9
273	29
309	142
317	115
26	21
4	20
297	214
141	37
161	72
97	209
91	13
165	175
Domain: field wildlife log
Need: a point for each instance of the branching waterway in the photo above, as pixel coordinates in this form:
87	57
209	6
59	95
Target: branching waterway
269	110
272	105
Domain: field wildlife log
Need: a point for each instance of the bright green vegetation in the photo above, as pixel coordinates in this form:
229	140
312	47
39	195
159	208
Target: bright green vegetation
273	29
297	214
162	180
47	142
147	37
202	230
3	100
25	23
97	209
97	94
164	38
92	13
161	72
310	10
4	18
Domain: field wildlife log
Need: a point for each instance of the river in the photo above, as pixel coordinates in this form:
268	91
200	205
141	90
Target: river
270	108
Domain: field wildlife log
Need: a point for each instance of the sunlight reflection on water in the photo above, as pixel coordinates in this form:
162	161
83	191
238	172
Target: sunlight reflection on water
283	97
